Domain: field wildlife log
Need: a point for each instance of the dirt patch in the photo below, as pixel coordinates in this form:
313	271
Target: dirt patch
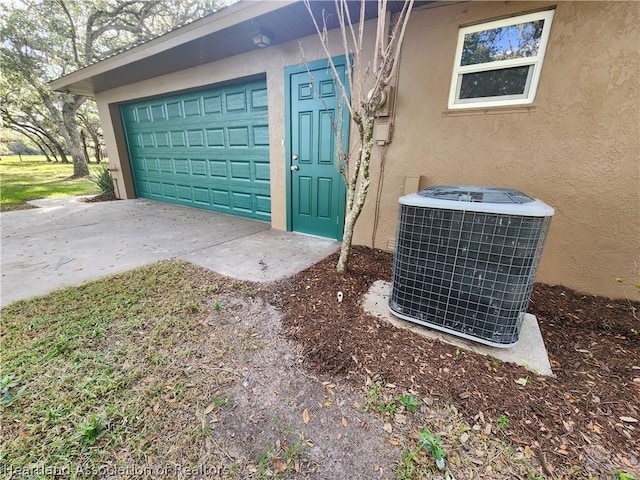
286	419
582	422
279	406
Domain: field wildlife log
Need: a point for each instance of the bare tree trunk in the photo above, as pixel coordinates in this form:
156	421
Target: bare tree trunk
357	193
61	152
44	148
371	76
83	138
96	147
69	108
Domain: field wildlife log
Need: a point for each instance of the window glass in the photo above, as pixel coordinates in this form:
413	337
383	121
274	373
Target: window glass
503	43
494	83
499	62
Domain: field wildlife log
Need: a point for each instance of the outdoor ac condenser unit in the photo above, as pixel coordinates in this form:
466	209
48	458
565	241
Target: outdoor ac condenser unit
466	259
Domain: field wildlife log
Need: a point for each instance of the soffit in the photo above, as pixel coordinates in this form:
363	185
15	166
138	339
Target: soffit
220	35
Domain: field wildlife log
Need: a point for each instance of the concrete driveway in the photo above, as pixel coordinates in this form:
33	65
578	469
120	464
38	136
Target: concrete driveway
67	242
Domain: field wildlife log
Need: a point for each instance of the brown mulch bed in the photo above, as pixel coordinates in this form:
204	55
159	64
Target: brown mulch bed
581	420
103	197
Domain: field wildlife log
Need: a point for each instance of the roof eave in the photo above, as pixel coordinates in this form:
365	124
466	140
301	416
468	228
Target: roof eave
79	82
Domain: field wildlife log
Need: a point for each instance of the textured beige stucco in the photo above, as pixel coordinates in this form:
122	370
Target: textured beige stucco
576	147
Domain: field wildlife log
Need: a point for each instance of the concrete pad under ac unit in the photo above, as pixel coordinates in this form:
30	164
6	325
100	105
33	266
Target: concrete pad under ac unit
529	352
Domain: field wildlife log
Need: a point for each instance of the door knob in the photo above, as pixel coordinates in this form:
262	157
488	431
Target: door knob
294	168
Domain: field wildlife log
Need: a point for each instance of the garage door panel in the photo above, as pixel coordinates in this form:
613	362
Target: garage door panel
259	98
201	196
198	167
263	205
215	137
184	192
207	149
220	198
165	165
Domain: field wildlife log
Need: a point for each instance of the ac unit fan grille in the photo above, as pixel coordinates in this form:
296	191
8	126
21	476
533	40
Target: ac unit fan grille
467	272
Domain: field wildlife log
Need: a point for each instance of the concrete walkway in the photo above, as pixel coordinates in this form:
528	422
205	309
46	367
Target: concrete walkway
66	242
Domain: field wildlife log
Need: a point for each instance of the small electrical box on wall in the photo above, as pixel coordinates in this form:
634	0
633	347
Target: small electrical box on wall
387	100
382	131
384	101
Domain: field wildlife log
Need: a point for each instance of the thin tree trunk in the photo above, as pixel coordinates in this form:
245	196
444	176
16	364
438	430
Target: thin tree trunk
356	201
83	138
363	109
61	152
38	141
69	107
96	147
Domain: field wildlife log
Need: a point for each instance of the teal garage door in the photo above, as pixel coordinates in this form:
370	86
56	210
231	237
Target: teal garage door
206	149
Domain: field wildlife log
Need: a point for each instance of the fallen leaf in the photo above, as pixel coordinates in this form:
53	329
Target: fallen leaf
629	419
522	381
209	409
528	452
394	443
400	418
252	469
464	437
344	422
305	416
310	443
568	426
279	466
387	428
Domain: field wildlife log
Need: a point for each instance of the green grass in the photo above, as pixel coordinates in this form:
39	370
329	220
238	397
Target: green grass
35	178
103	374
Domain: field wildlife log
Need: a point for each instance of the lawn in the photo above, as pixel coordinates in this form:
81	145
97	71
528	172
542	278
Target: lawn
102	374
34	178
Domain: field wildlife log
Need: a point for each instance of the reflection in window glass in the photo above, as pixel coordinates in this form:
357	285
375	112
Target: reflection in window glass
510	41
494	83
498	63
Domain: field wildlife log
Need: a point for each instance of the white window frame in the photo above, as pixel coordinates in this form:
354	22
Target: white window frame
534	62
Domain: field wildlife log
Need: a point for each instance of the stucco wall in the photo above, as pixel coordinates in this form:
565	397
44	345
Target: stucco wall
576	147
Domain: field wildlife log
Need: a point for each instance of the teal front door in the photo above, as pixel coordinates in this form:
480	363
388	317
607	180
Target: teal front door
316	187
